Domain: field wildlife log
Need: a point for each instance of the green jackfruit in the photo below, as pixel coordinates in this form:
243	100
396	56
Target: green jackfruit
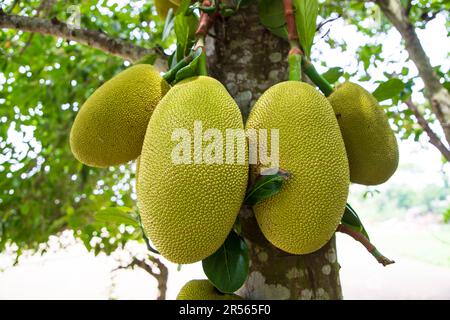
304	215
203	290
188	209
110	127
370	142
162	7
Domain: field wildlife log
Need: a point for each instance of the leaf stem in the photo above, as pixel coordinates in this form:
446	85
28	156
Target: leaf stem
358	236
315	77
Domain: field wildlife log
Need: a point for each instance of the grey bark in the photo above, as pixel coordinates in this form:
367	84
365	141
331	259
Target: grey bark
435	92
92	38
247	59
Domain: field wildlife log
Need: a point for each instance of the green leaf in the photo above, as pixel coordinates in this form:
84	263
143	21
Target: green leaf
271	13
169	25
447	216
389	89
447	86
306	12
265	187
351	219
185	27
227	269
116	215
333	74
279	32
148	59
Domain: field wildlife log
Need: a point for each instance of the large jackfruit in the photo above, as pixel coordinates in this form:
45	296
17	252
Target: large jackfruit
162	7
188	209
110	127
203	290
371	145
303	216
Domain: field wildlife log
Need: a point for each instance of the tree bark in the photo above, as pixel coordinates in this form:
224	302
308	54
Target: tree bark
248	59
435	92
93	38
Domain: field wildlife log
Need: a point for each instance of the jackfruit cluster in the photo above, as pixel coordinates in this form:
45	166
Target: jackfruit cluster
188	208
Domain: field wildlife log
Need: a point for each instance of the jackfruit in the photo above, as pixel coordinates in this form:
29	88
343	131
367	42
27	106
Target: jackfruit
371	145
138	162
188	208
163	6
303	216
203	290
110	127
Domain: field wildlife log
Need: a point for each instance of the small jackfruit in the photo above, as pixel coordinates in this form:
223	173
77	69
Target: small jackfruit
370	142
187	207
304	215
110	127
203	290
163	6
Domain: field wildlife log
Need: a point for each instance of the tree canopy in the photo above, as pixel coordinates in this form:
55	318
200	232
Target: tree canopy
47	72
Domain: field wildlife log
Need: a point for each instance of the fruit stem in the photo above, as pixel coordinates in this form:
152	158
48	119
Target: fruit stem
202	67
169	76
297	59
358	236
296	53
315	77
205	23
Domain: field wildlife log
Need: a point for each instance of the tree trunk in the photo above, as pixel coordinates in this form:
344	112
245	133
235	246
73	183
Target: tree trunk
248	59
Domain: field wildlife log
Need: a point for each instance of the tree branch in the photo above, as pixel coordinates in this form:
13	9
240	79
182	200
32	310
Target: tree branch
92	38
358	236
434	139
435	92
161	276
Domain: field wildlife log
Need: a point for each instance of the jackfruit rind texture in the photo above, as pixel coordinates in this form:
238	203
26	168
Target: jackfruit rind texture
370	142
110	127
303	216
203	290
162	7
188	210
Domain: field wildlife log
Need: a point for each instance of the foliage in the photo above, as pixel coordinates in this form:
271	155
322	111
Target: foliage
395	87
43	82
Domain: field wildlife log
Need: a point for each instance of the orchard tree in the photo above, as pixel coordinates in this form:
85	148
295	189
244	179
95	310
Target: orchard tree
56	55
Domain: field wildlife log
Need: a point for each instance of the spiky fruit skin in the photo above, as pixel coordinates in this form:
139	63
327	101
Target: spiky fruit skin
372	149
303	216
138	163
188	210
110	127
162	7
203	290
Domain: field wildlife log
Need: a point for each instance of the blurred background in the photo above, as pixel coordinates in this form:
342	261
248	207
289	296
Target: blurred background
52	246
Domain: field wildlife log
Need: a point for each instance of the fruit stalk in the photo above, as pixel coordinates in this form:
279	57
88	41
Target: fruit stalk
315	77
297	58
366	243
296	53
206	21
169	76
